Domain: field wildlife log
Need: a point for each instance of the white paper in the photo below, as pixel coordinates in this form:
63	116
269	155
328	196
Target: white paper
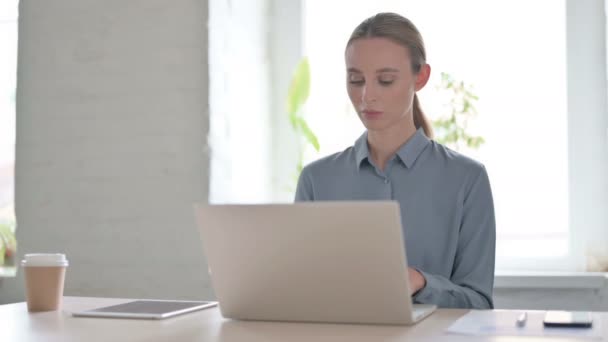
503	323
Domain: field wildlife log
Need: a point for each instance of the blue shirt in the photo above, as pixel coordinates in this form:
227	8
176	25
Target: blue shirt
447	212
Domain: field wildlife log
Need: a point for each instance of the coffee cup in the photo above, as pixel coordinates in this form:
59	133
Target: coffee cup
44	280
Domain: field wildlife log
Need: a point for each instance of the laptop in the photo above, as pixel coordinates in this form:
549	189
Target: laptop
332	262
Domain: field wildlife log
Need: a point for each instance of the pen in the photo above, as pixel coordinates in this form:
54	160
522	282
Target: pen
521	320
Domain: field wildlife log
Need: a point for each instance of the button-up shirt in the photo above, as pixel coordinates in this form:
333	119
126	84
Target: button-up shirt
447	212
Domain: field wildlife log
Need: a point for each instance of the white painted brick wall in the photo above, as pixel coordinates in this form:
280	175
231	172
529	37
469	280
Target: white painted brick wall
112	127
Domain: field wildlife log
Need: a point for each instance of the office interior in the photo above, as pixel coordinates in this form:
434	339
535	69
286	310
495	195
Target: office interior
120	128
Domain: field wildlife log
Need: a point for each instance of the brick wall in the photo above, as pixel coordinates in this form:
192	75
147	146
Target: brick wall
112	122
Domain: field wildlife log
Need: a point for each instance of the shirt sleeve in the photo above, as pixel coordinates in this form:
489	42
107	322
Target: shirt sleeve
304	189
472	279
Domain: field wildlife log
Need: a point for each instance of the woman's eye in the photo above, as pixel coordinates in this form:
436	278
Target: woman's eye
356	80
386	82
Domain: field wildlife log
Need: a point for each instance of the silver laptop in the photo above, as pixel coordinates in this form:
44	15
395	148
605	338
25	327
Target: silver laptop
335	262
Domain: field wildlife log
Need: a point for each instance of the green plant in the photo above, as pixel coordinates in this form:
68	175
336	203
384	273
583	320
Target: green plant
8	242
451	129
299	89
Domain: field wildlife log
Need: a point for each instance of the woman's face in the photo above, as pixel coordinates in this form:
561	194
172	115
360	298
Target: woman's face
381	83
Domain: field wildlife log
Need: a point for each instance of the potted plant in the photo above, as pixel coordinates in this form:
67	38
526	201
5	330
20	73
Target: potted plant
8	244
451	128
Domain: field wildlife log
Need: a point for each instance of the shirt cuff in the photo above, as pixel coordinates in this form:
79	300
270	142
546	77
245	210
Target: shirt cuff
425	294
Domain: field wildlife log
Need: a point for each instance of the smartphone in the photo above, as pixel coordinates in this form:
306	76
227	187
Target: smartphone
571	319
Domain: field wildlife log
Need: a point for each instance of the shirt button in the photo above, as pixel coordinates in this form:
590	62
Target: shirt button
385	180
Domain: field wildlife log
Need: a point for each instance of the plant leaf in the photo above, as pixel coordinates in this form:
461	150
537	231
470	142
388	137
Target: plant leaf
310	136
299	89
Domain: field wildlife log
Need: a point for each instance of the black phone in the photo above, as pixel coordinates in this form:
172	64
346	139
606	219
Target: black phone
571	319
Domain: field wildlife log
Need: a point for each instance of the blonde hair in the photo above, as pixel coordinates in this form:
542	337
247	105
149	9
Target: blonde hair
403	32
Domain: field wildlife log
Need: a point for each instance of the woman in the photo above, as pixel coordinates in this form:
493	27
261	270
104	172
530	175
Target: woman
445	198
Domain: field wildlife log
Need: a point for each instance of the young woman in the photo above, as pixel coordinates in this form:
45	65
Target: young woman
445	198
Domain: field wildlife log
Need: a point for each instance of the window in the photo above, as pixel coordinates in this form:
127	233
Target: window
518	69
239	101
8	75
541	88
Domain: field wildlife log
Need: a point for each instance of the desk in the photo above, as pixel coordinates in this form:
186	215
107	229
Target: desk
16	324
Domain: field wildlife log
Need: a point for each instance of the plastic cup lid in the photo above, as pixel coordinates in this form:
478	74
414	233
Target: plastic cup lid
44	259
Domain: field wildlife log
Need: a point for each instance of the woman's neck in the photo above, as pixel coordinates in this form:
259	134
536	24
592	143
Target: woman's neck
385	143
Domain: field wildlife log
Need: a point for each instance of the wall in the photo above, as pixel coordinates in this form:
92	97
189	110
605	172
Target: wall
112	108
552	299
240	97
551	291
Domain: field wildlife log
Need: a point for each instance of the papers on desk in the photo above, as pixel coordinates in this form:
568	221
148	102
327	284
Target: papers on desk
503	323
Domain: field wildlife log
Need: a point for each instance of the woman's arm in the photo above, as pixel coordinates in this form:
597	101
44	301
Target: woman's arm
472	279
304	190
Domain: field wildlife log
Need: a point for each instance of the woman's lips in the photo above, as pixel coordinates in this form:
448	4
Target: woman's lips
372	114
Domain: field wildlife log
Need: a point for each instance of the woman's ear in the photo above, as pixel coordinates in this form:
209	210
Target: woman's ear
423	76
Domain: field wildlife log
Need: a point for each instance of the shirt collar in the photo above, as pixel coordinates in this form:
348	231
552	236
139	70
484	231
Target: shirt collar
408	152
361	149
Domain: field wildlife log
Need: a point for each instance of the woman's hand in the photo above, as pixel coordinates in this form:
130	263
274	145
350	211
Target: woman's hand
417	281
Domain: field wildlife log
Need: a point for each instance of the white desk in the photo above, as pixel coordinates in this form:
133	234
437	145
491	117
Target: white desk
16	324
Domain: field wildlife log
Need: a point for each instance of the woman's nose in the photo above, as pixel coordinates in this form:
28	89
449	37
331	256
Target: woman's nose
369	94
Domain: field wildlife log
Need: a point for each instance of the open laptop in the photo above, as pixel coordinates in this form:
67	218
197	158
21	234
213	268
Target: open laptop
335	262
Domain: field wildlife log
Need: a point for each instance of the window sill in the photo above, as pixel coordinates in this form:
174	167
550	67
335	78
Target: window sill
8	271
550	280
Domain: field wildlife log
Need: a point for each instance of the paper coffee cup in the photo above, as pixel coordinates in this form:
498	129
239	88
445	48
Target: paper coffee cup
44	280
